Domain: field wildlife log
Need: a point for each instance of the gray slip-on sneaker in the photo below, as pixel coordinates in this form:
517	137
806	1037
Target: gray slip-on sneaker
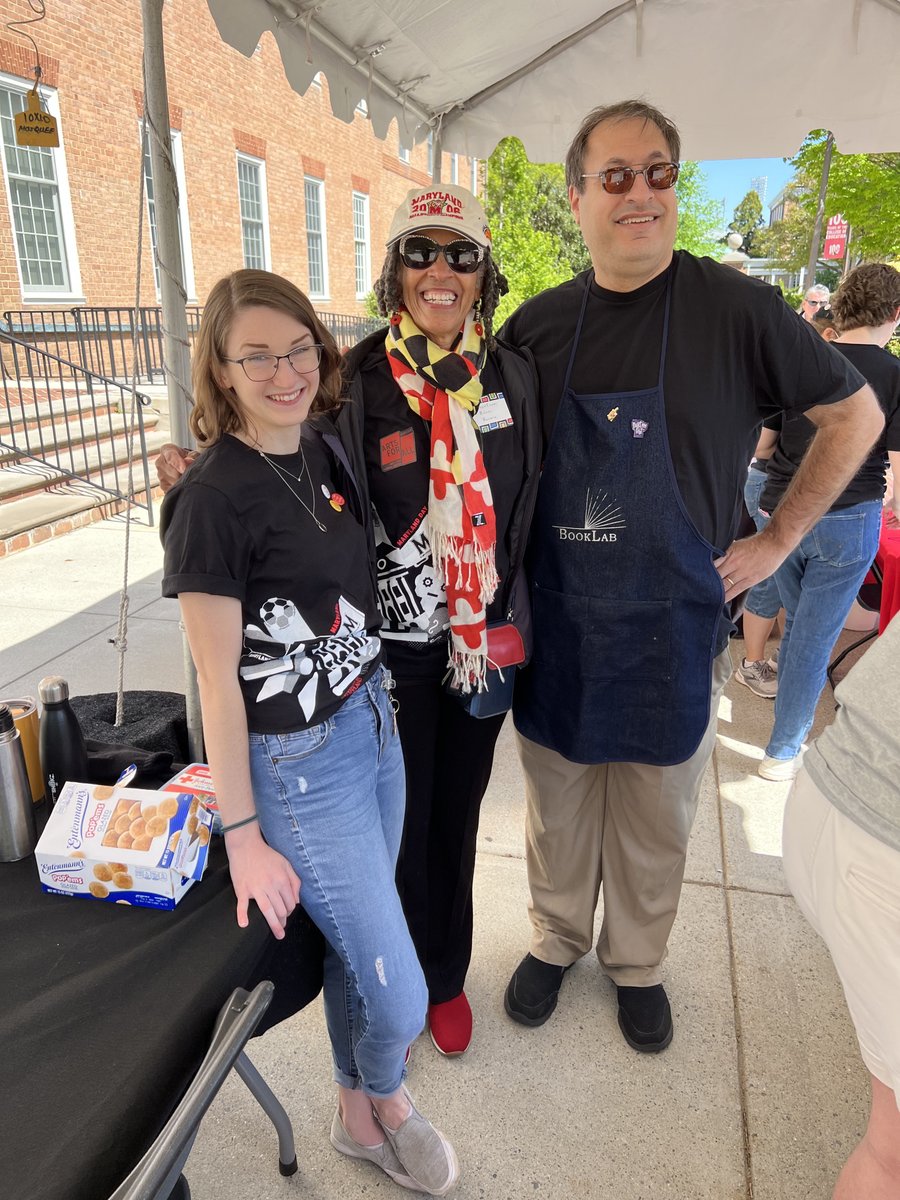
382	1156
426	1155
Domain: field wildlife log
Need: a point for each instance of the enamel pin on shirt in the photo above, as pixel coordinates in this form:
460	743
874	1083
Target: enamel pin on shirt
335	499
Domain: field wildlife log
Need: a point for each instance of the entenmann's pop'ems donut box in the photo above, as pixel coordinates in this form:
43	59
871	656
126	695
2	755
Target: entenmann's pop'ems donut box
124	845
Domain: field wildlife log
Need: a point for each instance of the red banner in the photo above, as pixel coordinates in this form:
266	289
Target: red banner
836	237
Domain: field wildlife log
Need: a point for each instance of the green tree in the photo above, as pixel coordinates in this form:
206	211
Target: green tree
530	257
554	216
747	218
864	188
698	215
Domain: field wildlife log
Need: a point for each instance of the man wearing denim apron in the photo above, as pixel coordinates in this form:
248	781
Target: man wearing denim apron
656	370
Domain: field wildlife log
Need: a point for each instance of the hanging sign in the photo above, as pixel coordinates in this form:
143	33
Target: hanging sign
34	127
836	237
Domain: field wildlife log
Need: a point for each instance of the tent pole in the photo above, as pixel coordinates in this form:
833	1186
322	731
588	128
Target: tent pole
176	350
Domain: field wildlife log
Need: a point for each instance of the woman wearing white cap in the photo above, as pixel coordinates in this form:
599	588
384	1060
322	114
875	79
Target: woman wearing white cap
444	417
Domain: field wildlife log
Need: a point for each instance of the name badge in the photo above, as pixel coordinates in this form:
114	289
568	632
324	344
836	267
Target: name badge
493	412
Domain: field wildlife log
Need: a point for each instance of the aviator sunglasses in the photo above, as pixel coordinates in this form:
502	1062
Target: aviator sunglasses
418	252
617	180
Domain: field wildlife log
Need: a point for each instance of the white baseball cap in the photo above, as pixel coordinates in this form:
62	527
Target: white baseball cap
441	206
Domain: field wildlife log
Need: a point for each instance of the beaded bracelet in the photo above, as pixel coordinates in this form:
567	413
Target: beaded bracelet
238	824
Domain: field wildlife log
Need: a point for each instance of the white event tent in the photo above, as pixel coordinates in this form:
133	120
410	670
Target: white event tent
741	80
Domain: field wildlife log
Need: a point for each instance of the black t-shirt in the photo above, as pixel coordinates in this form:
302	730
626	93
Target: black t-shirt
231	527
882	371
397	448
736	353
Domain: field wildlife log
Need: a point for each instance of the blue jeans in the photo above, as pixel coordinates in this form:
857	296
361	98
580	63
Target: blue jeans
331	800
762	599
817	582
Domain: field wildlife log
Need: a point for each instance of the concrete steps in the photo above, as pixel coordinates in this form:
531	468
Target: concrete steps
51	436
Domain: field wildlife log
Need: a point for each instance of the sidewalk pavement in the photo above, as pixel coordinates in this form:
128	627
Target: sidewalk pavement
762	1093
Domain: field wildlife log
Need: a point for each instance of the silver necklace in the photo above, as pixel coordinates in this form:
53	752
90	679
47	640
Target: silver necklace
286	477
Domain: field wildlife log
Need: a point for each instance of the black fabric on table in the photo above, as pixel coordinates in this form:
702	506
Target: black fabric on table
107	1011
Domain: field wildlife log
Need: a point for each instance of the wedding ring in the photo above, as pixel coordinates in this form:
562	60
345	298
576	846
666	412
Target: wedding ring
729	581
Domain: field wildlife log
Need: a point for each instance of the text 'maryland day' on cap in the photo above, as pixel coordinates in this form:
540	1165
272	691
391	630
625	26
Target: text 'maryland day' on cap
441	206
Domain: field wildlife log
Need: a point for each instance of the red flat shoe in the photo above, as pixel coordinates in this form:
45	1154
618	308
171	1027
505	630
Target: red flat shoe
451	1025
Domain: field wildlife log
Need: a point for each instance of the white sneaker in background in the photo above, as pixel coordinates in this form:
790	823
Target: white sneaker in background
781	769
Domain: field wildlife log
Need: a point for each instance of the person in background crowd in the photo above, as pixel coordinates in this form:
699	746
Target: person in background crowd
656	370
825	323
816	298
757	670
821	576
842	862
267	551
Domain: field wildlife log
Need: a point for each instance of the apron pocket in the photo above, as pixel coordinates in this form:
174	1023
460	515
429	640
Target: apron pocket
610	639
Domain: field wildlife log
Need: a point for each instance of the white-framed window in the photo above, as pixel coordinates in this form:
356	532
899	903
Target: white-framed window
361	252
316	246
184	229
403	154
473	166
454	168
431	154
40	204
254	206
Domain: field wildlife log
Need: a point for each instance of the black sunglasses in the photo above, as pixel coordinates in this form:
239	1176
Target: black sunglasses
418	252
618	180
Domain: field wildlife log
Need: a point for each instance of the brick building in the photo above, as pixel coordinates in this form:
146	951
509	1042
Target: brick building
267	178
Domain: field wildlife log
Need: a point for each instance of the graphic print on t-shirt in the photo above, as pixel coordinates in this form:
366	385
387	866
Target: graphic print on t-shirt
411	593
291	658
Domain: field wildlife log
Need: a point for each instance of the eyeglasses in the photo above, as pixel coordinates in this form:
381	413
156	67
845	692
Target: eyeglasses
618	180
418	252
263	367
817	303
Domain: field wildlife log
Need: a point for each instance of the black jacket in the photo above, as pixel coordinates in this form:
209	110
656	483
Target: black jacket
520	387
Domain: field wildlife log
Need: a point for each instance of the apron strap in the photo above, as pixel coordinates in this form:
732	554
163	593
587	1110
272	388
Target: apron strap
575	340
665	334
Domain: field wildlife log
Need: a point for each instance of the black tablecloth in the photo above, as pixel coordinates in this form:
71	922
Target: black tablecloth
106	1012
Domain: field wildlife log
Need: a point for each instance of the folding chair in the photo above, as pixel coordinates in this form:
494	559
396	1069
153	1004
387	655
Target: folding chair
158	1175
869	596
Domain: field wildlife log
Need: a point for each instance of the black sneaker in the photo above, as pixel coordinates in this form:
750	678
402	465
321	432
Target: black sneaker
533	990
645	1017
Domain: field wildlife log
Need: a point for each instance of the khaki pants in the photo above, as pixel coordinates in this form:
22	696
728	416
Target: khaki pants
620	824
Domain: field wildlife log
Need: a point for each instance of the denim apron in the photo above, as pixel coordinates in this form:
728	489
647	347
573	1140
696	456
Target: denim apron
626	601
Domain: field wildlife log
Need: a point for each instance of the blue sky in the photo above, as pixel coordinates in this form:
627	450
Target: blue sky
733	178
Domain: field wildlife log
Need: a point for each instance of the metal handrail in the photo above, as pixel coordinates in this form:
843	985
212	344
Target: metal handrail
44	392
100	339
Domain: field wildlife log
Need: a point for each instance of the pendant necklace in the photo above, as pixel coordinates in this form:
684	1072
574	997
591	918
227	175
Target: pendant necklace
287	476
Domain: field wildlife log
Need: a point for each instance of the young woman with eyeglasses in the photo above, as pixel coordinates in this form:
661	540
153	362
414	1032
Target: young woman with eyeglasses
267	549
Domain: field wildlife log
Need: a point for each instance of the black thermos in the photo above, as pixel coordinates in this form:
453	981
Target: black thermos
63	752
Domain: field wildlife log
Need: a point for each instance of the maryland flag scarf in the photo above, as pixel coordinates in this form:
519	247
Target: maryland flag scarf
444	387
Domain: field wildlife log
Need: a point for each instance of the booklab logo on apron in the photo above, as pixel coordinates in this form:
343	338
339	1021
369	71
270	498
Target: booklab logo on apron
602	517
